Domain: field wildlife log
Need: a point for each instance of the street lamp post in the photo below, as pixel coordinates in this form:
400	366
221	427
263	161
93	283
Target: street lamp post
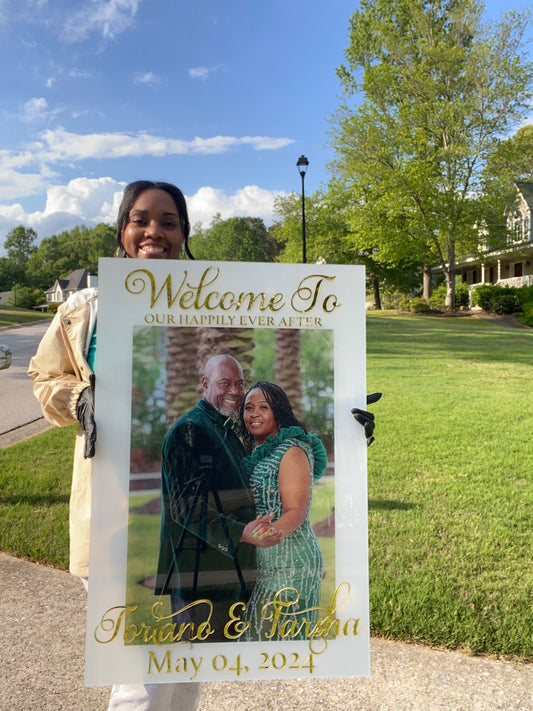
302	164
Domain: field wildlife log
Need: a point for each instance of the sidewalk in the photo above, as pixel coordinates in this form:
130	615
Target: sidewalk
41	665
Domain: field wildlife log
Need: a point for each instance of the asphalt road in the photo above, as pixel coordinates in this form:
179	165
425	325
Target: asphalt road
18	407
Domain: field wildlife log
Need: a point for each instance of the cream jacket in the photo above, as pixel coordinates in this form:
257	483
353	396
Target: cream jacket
60	372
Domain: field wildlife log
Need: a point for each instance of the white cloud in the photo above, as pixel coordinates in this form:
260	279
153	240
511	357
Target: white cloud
106	17
89	199
61	145
14	184
250	201
147	78
85	201
77	114
92	200
35	109
28	171
78	74
202	72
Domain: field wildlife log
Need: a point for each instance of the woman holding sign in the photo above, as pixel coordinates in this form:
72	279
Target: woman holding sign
152	223
285	464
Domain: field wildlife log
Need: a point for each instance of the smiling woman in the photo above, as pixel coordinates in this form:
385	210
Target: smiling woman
152	224
152	221
153	230
283	467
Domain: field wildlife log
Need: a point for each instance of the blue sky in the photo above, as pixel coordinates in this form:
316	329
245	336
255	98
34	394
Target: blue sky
217	96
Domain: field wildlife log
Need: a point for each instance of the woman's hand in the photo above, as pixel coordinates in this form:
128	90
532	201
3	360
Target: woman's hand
261	532
85	415
367	419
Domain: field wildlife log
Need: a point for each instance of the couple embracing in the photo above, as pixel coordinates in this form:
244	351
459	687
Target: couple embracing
237	478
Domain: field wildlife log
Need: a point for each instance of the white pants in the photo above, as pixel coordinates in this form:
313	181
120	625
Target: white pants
153	697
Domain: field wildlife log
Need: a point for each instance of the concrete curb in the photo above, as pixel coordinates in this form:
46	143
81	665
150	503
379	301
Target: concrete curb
20	325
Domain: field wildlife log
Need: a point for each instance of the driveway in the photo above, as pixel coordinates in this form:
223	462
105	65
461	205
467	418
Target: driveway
20	413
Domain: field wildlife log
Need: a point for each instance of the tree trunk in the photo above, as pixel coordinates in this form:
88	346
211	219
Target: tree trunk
449	273
376	291
182	372
288	370
427	286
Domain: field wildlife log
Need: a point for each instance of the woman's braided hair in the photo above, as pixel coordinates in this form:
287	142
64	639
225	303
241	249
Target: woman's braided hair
281	409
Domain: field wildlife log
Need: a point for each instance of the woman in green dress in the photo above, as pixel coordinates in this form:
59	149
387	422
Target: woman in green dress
283	467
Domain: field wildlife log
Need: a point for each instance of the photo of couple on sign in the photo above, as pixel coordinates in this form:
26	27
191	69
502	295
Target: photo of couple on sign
231	530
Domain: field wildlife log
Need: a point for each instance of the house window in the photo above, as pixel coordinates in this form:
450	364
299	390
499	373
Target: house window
491	275
517	269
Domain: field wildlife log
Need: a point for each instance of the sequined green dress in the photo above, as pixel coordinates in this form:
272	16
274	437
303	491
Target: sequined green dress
291	570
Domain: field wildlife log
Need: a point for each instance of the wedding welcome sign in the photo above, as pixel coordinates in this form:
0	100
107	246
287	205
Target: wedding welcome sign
196	617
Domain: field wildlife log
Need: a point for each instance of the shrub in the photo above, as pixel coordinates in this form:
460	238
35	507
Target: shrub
437	299
527	313
525	295
505	303
404	304
392	299
462	295
438	296
419	305
53	307
482	295
498	299
435	304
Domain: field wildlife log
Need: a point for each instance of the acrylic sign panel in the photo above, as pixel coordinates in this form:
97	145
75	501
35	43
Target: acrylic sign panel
160	523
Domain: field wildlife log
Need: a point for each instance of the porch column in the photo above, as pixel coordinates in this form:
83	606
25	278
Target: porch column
483	272
499	270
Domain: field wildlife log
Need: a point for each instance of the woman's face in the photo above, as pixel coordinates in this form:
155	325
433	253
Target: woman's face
259	419
154	229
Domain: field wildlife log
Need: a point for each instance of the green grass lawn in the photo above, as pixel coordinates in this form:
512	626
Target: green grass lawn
11	315
450	485
34	493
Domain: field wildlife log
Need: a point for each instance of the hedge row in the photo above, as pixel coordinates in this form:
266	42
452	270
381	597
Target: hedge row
505	300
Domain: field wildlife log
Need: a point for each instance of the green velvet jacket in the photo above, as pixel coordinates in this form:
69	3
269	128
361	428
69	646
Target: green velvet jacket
206	502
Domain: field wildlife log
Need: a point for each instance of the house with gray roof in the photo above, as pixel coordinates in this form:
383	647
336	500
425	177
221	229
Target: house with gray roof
512	263
75	281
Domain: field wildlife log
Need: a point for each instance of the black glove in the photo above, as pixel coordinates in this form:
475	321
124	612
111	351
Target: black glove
366	419
85	415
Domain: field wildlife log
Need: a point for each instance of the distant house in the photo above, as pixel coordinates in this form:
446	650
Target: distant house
75	281
511	265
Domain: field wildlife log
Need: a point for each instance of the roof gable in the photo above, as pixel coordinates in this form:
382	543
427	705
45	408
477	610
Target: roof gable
75	280
526	190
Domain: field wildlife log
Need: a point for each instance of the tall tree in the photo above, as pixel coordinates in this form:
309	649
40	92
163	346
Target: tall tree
24	297
341	233
10	274
428	91
237	239
20	245
79	248
511	161
326	228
